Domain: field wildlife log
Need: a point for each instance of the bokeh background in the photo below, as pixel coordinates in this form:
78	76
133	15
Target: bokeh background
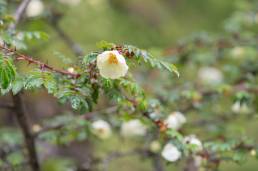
155	25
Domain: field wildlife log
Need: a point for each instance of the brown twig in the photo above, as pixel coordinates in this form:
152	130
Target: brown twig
30	60
157	162
19	13
28	135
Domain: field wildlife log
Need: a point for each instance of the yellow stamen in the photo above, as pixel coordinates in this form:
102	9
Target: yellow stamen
112	59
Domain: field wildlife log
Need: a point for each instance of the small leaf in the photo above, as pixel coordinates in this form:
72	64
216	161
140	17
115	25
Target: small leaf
17	85
7	72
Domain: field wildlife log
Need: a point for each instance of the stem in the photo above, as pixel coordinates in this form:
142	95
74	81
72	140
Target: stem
28	135
157	163
19	13
77	50
30	60
190	165
54	23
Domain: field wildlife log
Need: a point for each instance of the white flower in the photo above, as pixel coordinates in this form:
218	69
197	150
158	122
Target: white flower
101	129
237	107
192	140
35	8
171	153
111	64
133	128
155	146
70	2
210	75
175	120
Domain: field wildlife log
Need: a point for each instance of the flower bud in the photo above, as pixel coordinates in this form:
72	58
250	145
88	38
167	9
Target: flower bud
155	146
101	129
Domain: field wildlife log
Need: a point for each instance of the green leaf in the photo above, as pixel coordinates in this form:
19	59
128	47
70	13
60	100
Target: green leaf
49	82
79	103
7	72
89	58
104	45
34	81
17	85
35	35
143	55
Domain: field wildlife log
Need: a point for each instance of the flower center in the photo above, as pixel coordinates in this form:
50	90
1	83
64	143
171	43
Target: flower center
112	59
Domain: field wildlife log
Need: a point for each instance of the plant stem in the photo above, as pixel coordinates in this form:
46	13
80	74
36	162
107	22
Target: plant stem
30	60
23	122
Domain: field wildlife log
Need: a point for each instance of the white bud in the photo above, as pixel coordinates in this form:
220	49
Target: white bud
101	129
155	146
253	152
111	64
175	120
36	128
35	8
71	70
210	76
133	128
70	2
192	140
171	153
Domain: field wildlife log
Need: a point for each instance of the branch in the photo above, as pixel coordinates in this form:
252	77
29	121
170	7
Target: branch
190	165
53	21
157	163
28	135
19	13
30	60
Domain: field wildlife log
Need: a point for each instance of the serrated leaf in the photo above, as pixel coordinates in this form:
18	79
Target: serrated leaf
143	55
17	85
104	45
7	72
89	58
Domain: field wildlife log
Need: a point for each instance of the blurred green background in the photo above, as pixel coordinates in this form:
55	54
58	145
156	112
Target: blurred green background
149	24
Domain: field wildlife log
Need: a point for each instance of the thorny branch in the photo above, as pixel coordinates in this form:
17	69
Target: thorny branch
30	60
